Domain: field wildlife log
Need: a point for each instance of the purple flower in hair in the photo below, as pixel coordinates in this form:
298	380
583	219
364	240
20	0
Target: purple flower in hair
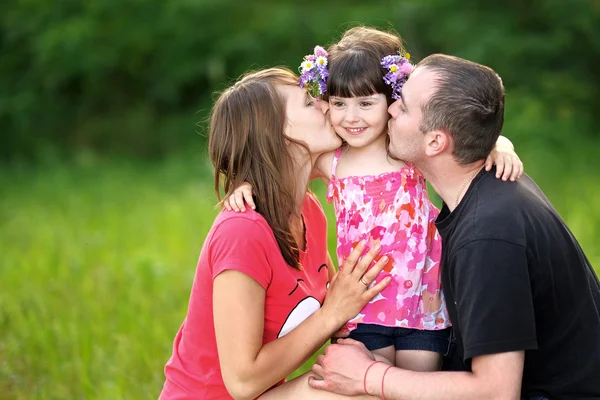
314	73
320	52
398	68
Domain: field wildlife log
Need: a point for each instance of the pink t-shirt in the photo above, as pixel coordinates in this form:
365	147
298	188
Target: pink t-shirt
245	242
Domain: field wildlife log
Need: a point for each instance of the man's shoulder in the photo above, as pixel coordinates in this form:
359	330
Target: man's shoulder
499	210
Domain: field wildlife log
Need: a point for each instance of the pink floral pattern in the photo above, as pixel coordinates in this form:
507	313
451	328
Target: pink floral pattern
393	210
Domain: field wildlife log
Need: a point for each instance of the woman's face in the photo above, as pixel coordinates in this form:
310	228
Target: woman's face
308	121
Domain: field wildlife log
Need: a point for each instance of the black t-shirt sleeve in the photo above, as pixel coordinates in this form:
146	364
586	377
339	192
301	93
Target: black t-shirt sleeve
492	290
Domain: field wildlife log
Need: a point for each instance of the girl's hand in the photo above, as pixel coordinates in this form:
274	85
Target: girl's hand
349	290
508	164
236	203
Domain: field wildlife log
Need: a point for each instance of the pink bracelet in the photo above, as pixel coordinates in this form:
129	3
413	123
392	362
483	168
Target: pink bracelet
383	380
365	378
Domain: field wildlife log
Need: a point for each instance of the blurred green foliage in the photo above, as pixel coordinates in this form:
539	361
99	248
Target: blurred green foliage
128	76
97	265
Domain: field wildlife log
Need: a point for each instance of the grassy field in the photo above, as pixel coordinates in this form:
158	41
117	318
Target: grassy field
97	263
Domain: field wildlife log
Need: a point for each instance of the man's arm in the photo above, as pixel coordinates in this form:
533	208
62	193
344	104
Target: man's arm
494	376
342	369
494	315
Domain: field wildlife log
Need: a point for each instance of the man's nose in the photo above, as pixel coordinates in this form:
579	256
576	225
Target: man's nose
392	109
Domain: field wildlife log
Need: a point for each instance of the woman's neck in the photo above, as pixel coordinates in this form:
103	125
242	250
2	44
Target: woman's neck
296	221
302	177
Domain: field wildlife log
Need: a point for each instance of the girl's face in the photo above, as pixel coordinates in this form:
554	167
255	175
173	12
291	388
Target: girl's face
308	121
359	120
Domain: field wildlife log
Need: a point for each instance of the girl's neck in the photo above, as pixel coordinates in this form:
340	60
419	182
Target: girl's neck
372	160
373	150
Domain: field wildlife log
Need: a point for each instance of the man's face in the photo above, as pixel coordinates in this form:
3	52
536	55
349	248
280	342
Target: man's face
407	142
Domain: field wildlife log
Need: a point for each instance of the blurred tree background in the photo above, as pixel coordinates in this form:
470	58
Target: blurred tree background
106	188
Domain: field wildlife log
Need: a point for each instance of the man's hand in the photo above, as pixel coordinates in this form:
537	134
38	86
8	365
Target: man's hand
341	368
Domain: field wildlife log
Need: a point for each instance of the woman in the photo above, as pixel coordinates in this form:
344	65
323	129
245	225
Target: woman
257	309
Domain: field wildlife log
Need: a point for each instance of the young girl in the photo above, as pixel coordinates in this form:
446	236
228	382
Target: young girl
381	199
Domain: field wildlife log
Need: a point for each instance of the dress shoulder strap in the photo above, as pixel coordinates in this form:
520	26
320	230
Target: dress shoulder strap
334	162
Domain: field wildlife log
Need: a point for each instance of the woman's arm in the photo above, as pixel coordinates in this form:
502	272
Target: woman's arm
248	367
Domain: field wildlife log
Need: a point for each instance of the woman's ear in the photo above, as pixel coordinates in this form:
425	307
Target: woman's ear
436	142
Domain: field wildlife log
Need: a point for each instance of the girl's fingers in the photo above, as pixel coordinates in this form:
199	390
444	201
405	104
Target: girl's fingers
499	167
489	163
248	198
239	201
517	170
508	168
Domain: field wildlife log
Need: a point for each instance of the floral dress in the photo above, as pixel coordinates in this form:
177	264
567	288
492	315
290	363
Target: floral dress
393	210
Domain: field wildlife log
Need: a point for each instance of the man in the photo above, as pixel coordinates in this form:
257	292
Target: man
522	296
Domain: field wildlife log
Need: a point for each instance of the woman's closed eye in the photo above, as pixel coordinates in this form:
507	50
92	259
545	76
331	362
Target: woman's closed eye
309	100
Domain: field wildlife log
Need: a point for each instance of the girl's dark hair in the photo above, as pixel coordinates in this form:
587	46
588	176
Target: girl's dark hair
355	63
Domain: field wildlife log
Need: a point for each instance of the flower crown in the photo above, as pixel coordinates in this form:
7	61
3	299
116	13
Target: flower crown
398	67
314	73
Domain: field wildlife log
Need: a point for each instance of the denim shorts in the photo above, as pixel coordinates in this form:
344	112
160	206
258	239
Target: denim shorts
377	337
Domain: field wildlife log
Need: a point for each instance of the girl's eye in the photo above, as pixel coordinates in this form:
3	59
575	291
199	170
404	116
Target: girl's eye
365	104
338	104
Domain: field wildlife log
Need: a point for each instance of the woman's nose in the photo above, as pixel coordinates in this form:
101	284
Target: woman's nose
324	106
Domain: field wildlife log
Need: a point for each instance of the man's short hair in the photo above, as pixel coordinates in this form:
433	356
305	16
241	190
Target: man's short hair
468	104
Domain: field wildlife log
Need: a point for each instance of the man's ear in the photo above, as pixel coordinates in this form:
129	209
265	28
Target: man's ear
437	142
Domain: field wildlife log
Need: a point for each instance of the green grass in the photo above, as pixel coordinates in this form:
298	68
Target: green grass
97	261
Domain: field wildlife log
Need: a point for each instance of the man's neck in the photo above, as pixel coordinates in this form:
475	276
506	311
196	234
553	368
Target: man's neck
451	180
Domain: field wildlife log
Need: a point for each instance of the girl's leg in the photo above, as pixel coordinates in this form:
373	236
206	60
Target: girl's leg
421	350
298	388
385	354
378	339
418	360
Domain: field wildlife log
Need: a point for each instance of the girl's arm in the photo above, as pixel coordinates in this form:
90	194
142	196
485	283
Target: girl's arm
503	155
242	195
249	368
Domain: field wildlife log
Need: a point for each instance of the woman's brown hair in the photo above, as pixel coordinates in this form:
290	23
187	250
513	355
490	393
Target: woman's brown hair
247	144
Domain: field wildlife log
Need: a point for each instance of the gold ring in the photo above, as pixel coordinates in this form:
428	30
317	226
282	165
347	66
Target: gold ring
363	282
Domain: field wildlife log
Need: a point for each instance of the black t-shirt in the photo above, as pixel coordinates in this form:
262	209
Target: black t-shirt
515	278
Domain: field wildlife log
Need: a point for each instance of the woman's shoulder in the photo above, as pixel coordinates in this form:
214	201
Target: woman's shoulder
241	223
